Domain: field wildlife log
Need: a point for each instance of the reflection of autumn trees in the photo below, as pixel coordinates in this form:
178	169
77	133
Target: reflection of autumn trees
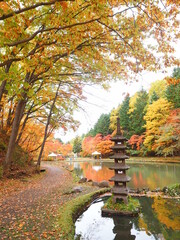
159	218
103	173
141	175
168	212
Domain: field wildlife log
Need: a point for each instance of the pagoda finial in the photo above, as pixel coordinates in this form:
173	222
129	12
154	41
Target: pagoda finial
118	126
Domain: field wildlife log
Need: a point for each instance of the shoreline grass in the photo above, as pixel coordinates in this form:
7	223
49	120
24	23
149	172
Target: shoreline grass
71	210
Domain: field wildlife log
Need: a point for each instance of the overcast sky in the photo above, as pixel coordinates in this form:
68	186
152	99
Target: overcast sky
101	101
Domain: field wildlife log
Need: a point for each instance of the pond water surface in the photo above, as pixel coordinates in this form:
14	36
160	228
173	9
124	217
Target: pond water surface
159	219
151	175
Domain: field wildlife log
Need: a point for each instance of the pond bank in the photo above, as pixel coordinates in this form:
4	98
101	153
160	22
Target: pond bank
131	159
31	211
39	208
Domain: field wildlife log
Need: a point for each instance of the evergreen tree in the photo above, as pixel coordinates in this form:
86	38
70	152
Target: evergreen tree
77	145
153	97
102	126
124	116
176	73
137	121
173	89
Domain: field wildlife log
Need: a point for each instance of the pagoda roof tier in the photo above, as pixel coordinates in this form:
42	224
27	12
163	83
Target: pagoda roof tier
119	156
119	147
120	178
120	190
118	138
119	166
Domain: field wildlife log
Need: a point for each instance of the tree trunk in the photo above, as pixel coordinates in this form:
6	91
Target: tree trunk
3	84
24	124
2	87
15	127
46	129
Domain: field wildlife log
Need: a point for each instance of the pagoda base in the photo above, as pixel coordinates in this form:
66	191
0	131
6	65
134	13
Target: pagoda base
110	213
120	199
119	208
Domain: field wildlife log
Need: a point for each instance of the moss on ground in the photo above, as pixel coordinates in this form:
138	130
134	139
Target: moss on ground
69	212
132	206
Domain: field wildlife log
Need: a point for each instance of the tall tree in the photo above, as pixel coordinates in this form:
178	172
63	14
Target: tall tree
137	120
56	39
168	142
124	116
157	90
153	97
156	116
173	88
101	126
113	119
77	145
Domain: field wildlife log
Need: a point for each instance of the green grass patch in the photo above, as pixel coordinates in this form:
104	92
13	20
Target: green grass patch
173	190
69	212
76	178
132	206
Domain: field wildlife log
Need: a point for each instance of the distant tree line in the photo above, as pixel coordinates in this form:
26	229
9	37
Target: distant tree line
150	120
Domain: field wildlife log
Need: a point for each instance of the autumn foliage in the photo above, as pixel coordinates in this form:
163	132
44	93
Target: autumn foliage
50	50
155	115
97	143
136	141
58	148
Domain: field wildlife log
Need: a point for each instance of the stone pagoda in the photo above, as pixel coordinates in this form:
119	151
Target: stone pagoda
120	179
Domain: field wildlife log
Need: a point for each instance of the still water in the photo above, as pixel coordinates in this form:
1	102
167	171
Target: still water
151	175
159	219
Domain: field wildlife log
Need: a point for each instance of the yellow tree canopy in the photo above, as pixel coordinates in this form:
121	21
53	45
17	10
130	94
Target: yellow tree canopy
156	116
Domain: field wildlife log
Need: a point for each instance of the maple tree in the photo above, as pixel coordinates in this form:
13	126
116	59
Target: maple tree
156	116
157	90
104	147
168	142
60	40
136	141
113	119
66	149
89	144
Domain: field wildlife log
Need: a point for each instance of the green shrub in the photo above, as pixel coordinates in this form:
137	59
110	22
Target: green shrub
173	190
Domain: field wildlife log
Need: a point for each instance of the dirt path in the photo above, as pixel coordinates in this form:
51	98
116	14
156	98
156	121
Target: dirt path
30	213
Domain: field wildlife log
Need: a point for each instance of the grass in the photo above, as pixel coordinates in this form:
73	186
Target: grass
132	206
69	212
173	190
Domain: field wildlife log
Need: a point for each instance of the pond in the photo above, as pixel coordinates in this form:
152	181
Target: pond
159	219
151	175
